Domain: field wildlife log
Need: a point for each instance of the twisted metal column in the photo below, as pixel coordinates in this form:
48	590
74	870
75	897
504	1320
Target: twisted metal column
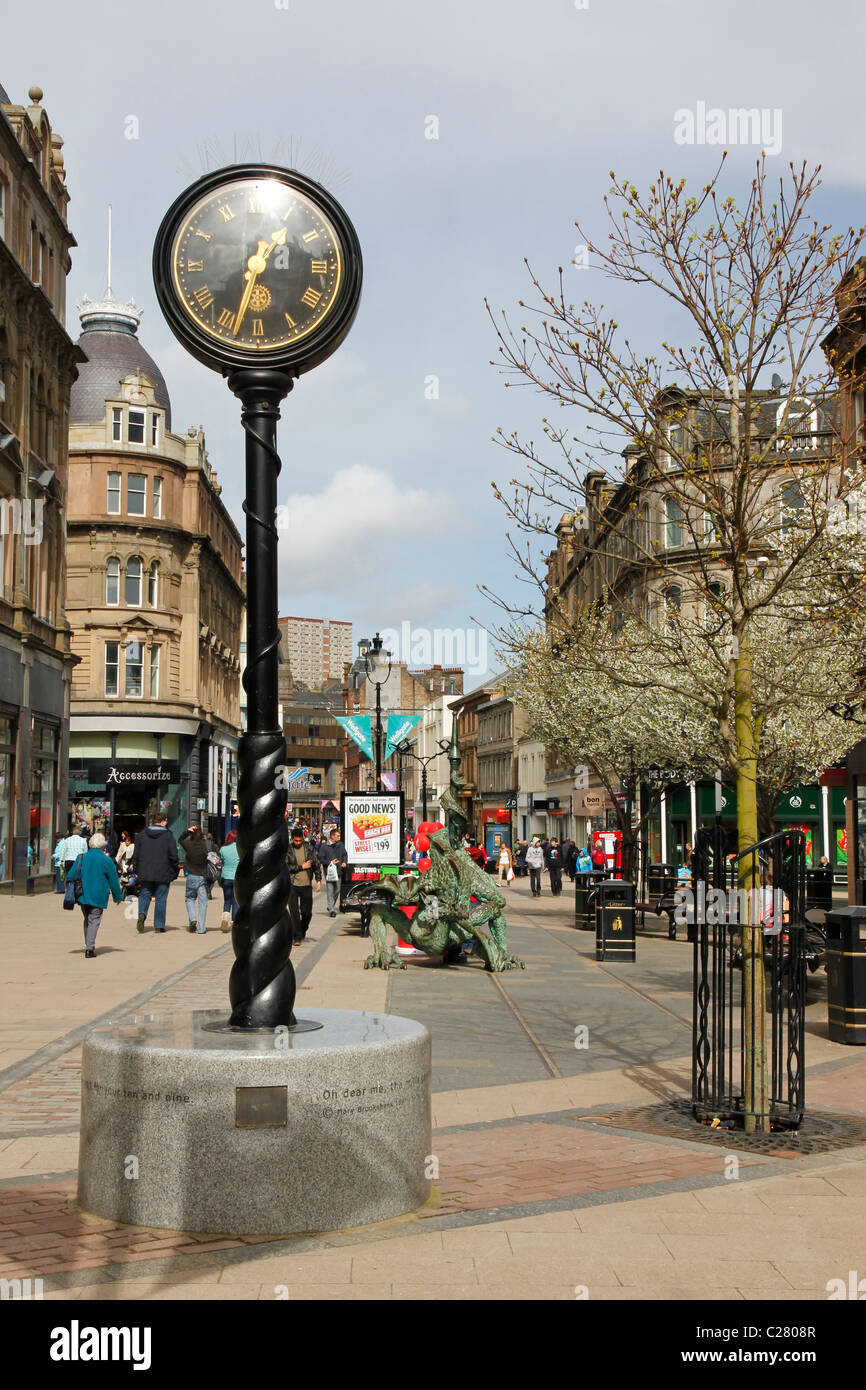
262	984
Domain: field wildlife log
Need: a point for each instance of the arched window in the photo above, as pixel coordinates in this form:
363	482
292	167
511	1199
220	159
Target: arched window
112	581
674	524
801	428
132	594
644	531
673	598
153	584
792	503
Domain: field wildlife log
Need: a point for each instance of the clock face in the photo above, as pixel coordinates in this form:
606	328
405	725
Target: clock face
256	264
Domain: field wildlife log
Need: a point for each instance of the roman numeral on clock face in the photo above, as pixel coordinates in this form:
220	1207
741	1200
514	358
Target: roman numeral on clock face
310	297
258	330
226	212
309	236
203	297
290	321
256	205
226	318
319	267
205	236
194	265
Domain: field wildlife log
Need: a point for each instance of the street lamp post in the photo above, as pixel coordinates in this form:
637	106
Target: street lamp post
373	664
405	751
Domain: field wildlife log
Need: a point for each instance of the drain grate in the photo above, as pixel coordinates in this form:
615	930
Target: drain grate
820	1131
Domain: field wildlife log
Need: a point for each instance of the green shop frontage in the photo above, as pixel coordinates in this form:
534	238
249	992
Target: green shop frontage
818	810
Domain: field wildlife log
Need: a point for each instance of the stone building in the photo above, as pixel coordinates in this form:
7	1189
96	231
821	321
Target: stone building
155	595
37	368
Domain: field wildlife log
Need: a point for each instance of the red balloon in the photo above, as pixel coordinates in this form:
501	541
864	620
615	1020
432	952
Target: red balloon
427	827
424	863
438	825
422	843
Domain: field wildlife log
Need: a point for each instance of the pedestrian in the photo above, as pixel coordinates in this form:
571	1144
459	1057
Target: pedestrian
98	876
71	847
194	846
123	858
520	859
598	857
535	863
155	866
476	853
687	855
554	866
584	860
302	868
230	857
333	859
505	864
58	866
569	858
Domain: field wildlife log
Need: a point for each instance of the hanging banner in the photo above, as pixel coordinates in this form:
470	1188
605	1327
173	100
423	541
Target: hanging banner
389	781
400	726
357	726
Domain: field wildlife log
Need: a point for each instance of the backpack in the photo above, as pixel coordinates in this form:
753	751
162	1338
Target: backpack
213	866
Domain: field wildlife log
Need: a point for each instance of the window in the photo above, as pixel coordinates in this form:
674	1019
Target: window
132	592
801	426
153	585
136	494
35	259
154	672
673	598
135	427
116	425
674	524
157	497
713	528
112	581
4	200
112	665
644	532
134	669
113	494
792	503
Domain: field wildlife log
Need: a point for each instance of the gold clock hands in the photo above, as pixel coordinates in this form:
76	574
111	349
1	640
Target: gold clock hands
255	266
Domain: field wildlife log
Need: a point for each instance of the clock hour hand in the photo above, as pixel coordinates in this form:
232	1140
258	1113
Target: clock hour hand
255	266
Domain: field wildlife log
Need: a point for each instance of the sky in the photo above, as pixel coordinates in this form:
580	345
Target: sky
387	448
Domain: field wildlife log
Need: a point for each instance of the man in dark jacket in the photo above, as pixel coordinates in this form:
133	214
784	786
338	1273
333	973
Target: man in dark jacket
302	867
553	859
155	865
328	854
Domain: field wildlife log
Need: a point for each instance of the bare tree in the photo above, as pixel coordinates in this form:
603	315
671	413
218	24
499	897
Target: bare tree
718	504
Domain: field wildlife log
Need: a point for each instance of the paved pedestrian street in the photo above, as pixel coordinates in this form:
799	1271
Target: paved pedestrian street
556	1172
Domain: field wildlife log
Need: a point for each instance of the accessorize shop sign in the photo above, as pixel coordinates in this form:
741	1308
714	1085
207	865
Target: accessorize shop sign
105	773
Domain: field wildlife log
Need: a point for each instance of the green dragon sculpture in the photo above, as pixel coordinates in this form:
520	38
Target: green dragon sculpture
446	916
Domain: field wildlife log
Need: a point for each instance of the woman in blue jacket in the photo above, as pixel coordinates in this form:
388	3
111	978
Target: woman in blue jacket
98	876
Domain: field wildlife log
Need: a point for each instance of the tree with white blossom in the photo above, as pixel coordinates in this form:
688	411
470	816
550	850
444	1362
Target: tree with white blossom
752	480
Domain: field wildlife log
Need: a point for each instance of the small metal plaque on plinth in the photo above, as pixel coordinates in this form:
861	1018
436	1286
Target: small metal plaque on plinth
261	1107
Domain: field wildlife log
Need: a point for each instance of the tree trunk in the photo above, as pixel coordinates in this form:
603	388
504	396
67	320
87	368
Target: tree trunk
756	1099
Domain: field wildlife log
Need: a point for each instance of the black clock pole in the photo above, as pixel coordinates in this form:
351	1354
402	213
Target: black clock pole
262	983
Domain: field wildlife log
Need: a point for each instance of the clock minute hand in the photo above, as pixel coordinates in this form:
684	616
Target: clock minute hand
255	266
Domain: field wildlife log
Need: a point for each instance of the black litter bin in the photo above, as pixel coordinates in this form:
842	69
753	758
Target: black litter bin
846	976
584	899
614	920
819	888
661	881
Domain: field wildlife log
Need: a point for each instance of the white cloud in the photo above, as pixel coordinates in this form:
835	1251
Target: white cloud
345	529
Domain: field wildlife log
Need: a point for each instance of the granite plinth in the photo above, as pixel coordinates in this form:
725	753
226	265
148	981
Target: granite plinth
255	1133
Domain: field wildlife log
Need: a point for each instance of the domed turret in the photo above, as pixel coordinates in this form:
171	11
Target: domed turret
109	338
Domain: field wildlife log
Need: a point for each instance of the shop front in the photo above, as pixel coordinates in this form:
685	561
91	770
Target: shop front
122	780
